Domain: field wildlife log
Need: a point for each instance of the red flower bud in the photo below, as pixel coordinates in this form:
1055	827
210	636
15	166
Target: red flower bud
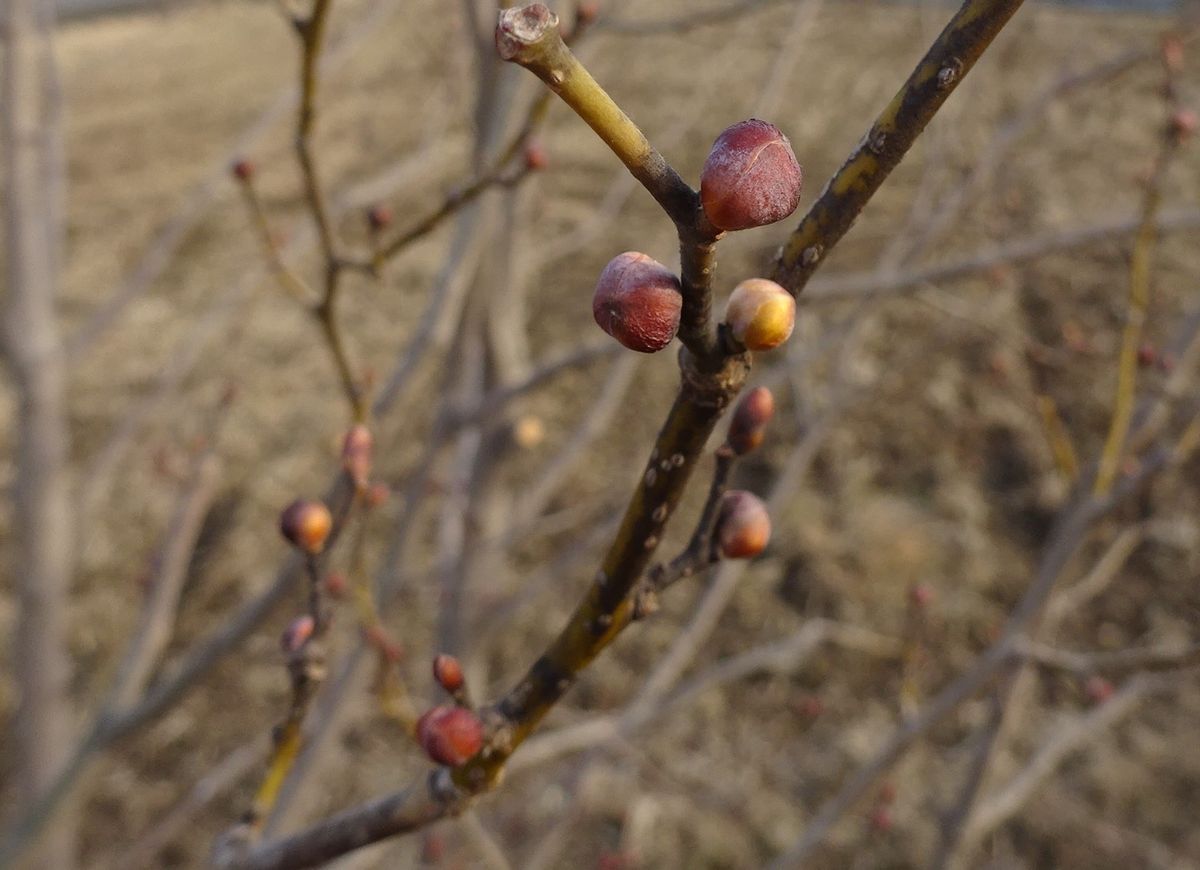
882	819
448	672
637	301
1172	53
336	584
306	524
356	454
1147	355
750	419
921	595
450	735
760	314
297	633
743	525
536	156
1183	124
379	217
243	170
751	177
1098	689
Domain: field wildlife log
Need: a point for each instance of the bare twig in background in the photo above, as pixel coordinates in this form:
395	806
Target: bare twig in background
43	508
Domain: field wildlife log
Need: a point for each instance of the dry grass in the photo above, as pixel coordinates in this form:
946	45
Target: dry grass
936	473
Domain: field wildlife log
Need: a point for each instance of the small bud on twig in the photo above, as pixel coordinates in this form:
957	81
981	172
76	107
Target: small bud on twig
306	524
743	525
448	672
336	584
638	302
356	454
1183	124
751	177
750	419
450	735
760	314
243	170
297	634
536	156
379	217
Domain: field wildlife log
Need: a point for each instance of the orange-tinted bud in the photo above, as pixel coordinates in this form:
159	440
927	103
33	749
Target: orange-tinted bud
450	735
638	301
751	177
743	525
297	633
750	419
760	314
356	454
448	672
243	170
306	524
379	217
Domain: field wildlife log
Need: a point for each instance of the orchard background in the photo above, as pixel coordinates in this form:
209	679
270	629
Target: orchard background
914	471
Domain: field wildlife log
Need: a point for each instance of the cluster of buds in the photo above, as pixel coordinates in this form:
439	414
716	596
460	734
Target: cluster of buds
750	179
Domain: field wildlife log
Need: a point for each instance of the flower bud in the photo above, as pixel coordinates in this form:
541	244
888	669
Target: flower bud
356	454
587	11
1172	53
448	672
243	170
750	419
450	735
638	301
379	217
751	177
1183	124
336	584
306	524
743	526
760	314
536	156
297	633
377	494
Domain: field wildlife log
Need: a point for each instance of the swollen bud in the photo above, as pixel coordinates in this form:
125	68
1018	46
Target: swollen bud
450	735
447	672
750	419
751	177
743	525
637	301
760	314
306	524
356	454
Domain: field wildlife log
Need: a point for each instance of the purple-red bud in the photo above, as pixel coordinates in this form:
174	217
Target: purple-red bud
306	524
297	633
743	525
447	672
379	217
751	177
750	419
638	301
243	170
450	735
356	454
761	314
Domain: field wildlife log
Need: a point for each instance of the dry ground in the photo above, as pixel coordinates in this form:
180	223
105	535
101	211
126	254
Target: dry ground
935	470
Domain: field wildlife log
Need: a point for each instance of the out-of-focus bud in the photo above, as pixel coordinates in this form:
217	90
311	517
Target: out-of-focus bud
356	454
921	595
743	525
529	431
450	735
379	217
447	672
1183	124
536	155
336	584
377	494
760	314
750	418
297	634
751	177
1172	53
243	169
306	524
1098	689
638	302
587	12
